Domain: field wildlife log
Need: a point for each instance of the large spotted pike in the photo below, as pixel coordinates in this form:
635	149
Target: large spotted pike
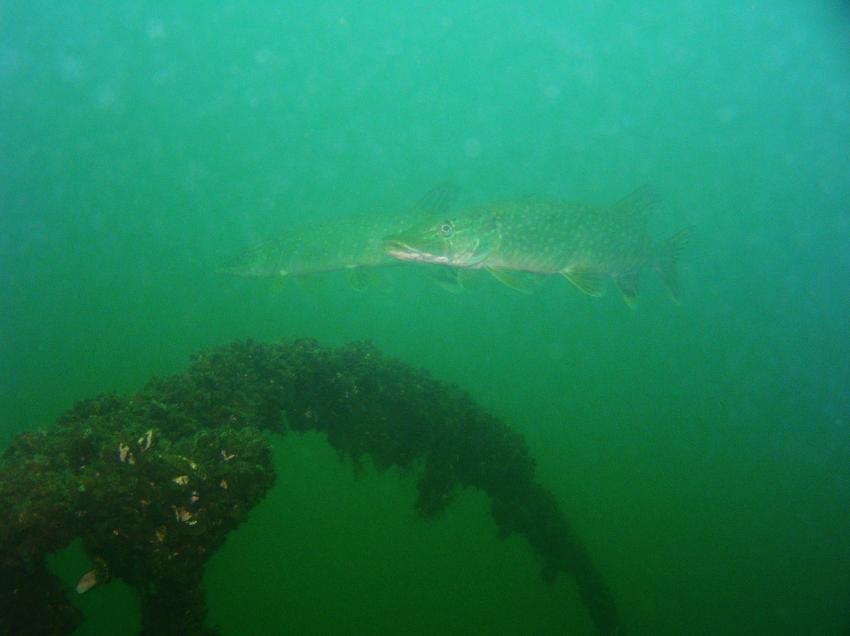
584	243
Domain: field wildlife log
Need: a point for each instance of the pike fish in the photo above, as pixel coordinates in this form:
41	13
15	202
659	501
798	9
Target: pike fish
515	240
351	244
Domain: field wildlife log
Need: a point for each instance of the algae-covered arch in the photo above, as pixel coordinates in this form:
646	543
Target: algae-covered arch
153	482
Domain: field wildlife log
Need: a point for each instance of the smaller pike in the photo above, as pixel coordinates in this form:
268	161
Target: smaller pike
584	243
352	244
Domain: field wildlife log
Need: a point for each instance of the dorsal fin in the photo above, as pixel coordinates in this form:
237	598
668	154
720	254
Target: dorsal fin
639	203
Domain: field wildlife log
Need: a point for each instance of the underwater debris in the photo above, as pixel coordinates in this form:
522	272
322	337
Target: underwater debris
145	440
124	454
87	582
184	516
97	575
66	484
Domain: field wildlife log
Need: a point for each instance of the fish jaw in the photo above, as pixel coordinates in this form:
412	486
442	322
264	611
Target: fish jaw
462	247
407	253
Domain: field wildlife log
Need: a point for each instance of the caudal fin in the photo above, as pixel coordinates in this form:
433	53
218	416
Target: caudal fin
666	258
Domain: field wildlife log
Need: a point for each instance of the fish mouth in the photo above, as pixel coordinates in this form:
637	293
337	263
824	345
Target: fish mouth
401	250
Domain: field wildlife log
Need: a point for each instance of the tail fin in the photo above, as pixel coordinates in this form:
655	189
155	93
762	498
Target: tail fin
666	257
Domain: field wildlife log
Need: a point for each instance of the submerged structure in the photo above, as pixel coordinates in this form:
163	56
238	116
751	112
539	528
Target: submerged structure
153	482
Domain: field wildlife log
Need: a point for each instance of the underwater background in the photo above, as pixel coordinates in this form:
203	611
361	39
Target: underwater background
701	450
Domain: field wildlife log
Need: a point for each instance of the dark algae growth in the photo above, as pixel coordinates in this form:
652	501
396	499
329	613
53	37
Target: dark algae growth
152	483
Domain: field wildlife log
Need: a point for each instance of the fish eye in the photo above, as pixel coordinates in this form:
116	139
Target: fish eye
446	229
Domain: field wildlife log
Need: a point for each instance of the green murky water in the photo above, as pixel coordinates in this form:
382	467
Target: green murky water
700	450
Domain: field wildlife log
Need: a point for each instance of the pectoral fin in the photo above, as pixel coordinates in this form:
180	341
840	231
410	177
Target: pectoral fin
468	278
361	278
513	279
448	278
589	281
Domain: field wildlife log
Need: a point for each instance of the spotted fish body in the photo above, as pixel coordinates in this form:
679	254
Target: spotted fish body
584	243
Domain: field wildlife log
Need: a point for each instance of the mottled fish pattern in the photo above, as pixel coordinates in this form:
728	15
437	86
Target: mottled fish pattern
584	243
